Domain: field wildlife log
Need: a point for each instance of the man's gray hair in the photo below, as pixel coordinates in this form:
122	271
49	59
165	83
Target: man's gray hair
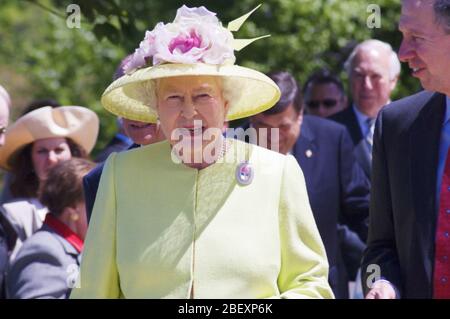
394	69
442	13
4	97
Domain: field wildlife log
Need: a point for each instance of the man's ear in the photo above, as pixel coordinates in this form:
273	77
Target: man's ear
393	83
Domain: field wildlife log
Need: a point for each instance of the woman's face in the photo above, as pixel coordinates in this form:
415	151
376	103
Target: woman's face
193	109
45	153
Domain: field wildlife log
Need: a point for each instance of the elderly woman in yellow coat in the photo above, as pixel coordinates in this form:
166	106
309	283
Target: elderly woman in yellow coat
199	215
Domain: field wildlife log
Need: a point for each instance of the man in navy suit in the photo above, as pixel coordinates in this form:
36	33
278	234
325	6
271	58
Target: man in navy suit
373	69
337	187
408	252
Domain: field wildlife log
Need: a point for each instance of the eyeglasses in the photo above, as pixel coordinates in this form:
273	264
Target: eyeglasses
328	103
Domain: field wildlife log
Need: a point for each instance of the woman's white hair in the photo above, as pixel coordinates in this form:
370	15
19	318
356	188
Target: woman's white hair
394	69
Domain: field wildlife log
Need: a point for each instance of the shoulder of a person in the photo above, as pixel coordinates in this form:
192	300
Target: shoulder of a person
145	152
323	125
40	244
21	207
408	105
95	173
343	116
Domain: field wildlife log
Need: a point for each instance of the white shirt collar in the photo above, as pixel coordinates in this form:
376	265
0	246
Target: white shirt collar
362	120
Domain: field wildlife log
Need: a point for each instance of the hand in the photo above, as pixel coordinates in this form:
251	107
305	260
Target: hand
381	289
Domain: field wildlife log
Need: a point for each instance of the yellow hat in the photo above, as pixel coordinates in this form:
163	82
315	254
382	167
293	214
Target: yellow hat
75	122
194	44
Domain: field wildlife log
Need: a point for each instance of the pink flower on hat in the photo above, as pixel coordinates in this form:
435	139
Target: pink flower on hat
184	44
195	36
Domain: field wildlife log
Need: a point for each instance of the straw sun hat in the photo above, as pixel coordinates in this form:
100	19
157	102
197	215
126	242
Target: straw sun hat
194	44
75	122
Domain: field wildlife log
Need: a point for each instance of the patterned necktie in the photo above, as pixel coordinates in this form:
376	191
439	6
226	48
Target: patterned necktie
369	136
441	280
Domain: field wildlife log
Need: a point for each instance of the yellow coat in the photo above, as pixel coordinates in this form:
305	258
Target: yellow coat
164	230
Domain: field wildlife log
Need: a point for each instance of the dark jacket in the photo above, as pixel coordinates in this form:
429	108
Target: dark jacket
403	208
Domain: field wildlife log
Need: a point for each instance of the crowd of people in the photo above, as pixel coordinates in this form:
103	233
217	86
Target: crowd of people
326	195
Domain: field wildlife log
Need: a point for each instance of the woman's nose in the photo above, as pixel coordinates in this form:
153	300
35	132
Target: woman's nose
52	157
189	110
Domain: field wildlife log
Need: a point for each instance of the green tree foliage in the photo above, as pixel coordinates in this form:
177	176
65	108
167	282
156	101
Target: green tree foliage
305	34
40	56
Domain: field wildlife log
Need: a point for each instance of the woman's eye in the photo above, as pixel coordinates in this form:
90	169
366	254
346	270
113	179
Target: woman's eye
174	97
42	151
203	96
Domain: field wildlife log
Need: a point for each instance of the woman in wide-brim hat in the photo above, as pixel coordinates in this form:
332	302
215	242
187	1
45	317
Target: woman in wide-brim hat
35	143
199	215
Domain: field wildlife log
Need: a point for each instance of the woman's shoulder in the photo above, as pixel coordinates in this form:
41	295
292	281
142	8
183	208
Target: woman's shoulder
143	153
23	208
43	244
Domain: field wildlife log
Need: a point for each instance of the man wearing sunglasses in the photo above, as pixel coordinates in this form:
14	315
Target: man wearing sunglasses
373	69
324	94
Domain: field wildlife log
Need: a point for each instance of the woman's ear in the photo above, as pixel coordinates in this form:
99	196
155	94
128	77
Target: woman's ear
226	107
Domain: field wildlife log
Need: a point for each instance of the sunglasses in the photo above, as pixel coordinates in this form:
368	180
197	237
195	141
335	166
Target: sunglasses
328	103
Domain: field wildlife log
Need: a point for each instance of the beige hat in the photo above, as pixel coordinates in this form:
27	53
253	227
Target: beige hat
75	122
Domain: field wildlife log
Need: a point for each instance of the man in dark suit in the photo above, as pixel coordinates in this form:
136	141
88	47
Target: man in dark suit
373	69
409	242
336	184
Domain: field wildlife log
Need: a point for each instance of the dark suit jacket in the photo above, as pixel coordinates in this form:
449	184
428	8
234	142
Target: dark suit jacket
403	210
90	185
7	241
3	260
115	145
347	117
337	189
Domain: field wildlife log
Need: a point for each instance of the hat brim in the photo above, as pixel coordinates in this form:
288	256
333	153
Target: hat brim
78	123
133	96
